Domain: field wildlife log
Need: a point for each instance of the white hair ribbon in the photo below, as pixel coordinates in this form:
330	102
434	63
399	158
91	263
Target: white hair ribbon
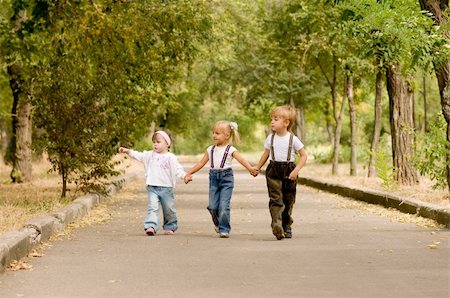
165	136
233	125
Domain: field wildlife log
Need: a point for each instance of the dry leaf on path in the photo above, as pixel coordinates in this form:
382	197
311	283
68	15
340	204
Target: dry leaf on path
434	245
19	265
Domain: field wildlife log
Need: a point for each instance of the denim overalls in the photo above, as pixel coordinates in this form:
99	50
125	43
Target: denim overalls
281	190
221	184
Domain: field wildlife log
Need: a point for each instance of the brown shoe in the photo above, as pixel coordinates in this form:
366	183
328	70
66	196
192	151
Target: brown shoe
278	232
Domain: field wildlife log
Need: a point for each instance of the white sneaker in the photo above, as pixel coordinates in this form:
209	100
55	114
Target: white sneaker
224	235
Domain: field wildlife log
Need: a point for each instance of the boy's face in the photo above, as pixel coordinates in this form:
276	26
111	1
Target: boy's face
279	124
159	144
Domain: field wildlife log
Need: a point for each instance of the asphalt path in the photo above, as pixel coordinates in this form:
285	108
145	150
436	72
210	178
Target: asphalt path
334	252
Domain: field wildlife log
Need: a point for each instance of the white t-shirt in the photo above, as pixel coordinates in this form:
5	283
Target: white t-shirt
161	169
281	146
218	156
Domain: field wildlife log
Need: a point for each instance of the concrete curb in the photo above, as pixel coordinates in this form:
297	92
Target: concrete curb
18	244
440	215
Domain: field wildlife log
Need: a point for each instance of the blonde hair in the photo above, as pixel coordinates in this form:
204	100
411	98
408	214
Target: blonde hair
286	112
229	127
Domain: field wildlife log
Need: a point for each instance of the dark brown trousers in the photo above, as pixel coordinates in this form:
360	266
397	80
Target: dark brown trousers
282	193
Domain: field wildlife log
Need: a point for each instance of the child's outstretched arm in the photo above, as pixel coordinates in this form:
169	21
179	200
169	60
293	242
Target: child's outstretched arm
303	157
196	168
252	170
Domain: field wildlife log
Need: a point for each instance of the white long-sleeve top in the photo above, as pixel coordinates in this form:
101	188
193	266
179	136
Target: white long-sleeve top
161	169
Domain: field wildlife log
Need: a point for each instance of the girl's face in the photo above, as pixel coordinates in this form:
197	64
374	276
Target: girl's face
159	144
279	124
220	136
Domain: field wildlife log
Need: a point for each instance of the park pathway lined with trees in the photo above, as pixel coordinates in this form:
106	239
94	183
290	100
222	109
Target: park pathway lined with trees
335	252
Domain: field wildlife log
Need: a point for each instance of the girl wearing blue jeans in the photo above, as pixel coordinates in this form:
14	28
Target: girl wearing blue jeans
221	179
161	169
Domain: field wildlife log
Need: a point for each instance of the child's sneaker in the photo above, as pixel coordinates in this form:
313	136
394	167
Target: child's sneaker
216	228
288	233
150	231
278	232
224	235
169	232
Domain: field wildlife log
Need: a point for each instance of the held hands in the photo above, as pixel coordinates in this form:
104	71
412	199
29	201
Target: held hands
254	171
187	178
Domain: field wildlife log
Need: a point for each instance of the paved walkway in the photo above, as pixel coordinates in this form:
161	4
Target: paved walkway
335	252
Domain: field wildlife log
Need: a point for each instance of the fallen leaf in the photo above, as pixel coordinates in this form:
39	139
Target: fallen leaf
35	254
19	265
434	245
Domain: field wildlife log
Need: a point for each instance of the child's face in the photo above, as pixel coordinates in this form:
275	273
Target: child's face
159	144
279	124
220	136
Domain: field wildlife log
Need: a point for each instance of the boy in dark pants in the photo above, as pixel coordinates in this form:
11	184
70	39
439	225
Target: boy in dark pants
281	173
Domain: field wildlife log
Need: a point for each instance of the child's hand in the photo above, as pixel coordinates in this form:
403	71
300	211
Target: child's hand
254	171
293	175
124	150
187	178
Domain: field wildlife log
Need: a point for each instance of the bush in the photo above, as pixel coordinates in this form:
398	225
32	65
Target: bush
432	156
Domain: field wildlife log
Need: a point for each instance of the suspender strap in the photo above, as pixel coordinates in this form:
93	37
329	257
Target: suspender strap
212	156
271	147
224	158
291	138
225	154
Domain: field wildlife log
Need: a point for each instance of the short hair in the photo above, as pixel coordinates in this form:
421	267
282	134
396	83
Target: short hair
286	112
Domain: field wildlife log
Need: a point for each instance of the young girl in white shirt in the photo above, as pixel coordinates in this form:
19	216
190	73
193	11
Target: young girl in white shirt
161	170
221	178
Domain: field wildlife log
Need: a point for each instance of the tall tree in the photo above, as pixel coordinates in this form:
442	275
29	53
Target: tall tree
394	34
353	123
19	32
376	123
402	125
439	11
105	80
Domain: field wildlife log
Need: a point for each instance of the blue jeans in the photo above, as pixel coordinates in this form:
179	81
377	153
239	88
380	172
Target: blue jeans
164	196
221	184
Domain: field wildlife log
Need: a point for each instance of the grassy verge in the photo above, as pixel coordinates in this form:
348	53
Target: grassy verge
21	202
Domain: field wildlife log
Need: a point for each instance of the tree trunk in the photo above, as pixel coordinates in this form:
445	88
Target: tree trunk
439	10
443	75
401	119
300	119
64	180
338	122
425	105
328	124
3	136
376	124
21	129
353	126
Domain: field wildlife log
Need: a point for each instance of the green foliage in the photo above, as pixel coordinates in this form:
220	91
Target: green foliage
432	152
385	169
105	81
390	31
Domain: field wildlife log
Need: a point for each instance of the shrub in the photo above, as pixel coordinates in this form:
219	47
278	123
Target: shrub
432	156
